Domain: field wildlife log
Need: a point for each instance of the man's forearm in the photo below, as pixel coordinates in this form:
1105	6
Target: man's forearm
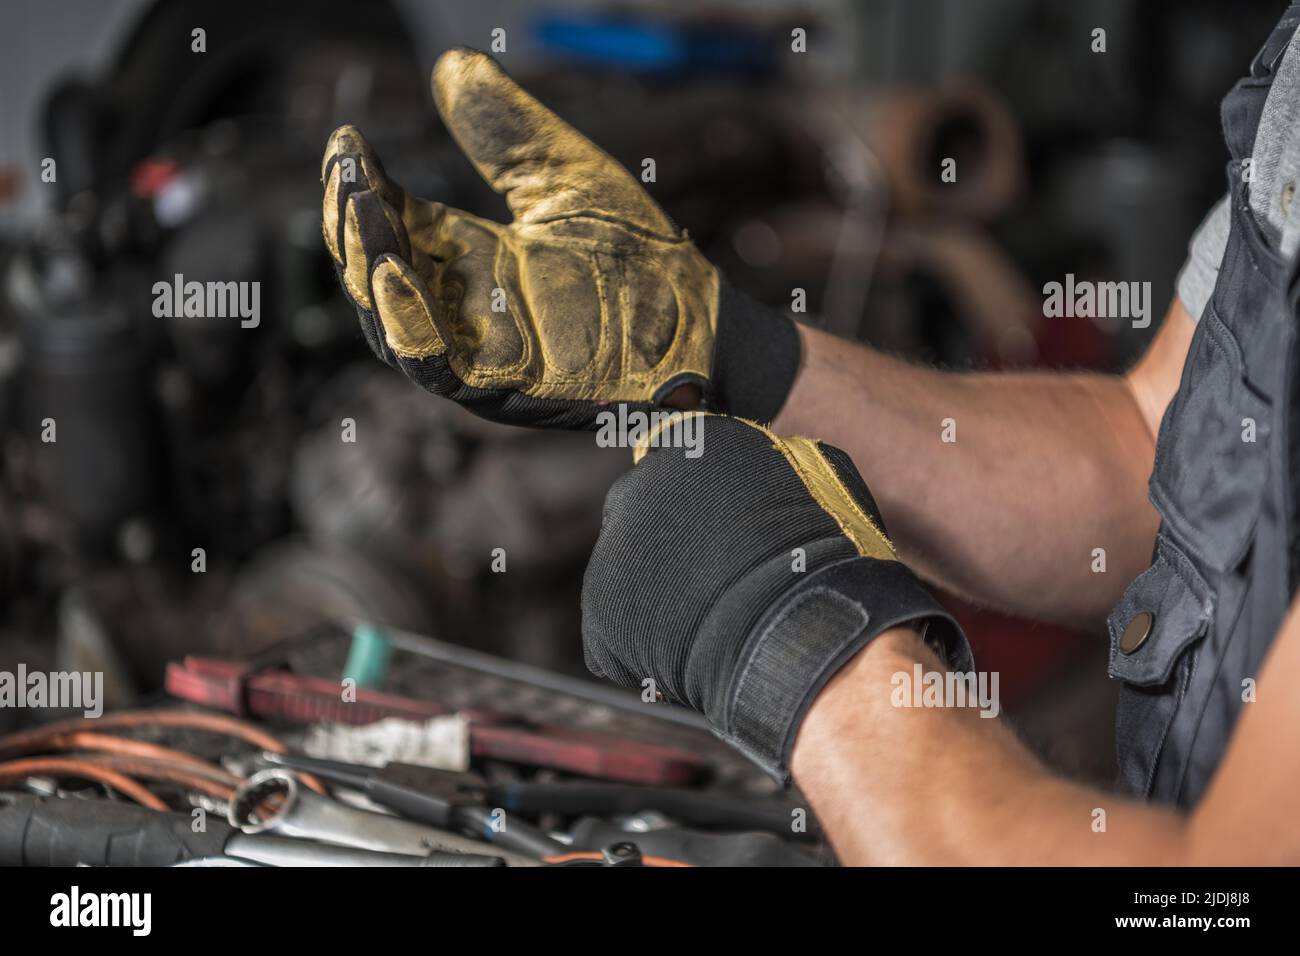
1013	489
943	785
899	785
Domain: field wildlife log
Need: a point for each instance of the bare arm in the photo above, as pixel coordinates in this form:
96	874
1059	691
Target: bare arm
1045	468
898	785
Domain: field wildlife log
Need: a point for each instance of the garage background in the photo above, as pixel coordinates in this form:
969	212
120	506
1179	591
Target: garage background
815	170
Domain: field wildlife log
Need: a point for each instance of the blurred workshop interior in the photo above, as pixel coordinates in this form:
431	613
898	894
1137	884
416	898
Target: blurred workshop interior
215	448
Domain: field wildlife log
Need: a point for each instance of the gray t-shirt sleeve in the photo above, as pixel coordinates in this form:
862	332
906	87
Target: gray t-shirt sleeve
1276	156
1204	253
1275	172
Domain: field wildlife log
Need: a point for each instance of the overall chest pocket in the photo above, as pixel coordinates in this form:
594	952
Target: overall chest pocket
1154	636
1211	455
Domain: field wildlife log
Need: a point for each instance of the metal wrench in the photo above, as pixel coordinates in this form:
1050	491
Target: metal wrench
307	815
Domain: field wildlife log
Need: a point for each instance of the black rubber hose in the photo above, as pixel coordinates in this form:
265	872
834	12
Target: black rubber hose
693	808
39	832
517	835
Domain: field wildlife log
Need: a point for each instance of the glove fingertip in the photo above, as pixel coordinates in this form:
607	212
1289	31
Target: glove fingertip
409	318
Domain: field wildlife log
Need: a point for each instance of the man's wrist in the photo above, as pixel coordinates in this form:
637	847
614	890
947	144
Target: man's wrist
806	637
848	702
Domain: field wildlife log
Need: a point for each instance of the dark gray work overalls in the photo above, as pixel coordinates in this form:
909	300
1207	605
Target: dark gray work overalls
1190	635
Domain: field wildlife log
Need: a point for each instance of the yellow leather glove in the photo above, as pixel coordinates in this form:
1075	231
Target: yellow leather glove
590	296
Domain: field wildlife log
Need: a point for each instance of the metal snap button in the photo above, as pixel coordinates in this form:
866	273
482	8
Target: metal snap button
1136	632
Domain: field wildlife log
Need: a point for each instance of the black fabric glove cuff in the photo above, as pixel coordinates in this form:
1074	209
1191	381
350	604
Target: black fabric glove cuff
756	356
809	634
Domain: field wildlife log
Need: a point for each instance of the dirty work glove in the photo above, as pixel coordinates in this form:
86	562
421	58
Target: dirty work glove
598	297
695	581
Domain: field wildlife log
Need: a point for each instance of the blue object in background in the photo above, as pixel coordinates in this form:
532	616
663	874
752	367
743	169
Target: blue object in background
643	46
368	656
